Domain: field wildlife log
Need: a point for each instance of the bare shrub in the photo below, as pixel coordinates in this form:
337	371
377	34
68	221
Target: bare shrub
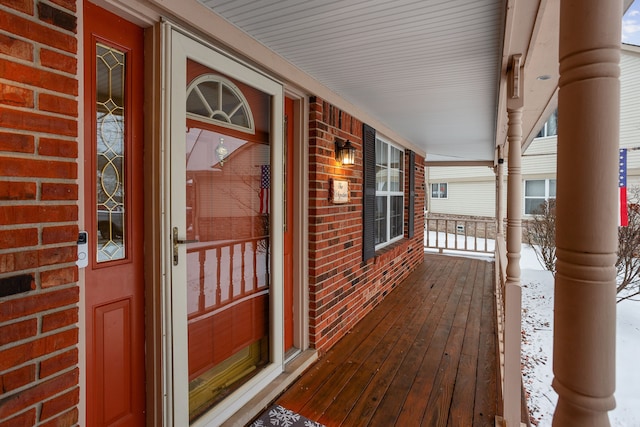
541	235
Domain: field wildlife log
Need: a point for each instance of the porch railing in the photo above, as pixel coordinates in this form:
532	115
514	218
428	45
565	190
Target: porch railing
455	234
222	273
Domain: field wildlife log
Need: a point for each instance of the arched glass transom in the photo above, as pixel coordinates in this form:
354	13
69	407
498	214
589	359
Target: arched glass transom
214	99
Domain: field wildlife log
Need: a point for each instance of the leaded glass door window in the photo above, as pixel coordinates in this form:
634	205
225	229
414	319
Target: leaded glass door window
110	161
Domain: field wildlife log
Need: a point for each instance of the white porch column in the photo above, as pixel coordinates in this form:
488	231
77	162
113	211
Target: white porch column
586	222
513	289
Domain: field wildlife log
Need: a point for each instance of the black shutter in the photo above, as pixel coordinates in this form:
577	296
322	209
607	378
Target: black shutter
412	193
369	190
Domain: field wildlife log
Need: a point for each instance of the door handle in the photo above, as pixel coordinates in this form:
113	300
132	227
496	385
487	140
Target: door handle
177	241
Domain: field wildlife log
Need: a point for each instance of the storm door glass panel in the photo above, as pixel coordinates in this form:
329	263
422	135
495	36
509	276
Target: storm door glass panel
228	185
110	161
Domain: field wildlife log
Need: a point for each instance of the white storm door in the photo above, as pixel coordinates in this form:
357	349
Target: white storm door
224	242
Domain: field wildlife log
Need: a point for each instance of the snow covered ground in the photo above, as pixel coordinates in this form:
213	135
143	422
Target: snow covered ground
537	345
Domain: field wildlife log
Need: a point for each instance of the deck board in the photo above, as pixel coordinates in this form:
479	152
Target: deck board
426	355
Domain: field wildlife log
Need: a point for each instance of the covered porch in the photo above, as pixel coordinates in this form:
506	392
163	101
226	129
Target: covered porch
426	355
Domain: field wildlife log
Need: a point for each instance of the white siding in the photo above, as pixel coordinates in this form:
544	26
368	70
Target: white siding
630	111
459	173
467	198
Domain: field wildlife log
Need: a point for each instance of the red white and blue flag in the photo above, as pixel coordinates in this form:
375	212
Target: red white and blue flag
623	217
265	184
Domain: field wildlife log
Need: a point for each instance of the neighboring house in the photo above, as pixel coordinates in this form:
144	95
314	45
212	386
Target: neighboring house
471	191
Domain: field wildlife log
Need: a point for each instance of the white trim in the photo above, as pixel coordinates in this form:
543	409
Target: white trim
182	46
389	193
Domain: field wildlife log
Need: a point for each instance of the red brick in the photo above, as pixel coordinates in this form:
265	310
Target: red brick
28	214
25	6
17	143
17	261
68	419
59	319
58	104
58	363
61	276
23	353
17	378
58	61
39	78
58	191
23	120
67	4
16	48
60	234
12	95
58	148
14	190
32	168
19	26
18	238
26	419
18	331
59	213
22	307
60	404
57	255
59	18
38	393
20	354
10	215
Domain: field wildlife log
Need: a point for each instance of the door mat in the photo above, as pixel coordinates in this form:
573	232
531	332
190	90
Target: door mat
282	417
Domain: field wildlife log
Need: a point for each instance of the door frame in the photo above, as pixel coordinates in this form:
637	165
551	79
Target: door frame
178	45
300	220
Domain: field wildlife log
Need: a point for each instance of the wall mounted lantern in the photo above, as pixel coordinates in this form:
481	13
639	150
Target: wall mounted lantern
345	152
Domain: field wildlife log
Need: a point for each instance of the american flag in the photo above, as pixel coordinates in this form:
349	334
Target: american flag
265	183
623	218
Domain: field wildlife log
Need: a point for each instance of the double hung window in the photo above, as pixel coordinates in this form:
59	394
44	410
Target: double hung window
536	193
389	213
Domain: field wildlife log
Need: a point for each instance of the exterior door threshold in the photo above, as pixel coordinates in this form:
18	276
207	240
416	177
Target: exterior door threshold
262	400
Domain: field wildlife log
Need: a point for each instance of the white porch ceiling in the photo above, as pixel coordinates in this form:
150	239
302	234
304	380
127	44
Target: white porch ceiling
431	70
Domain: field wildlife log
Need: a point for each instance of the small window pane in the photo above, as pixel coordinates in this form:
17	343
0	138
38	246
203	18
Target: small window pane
439	190
552	125
534	188
533	206
380	220
552	188
396	216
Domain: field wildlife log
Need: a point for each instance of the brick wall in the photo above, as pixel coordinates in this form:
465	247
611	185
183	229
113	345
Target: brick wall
38	213
342	287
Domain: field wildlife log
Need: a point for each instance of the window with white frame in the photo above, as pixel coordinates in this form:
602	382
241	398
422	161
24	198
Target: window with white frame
389	213
550	128
536	192
439	190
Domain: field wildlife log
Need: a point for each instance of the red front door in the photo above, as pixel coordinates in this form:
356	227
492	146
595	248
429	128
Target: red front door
113	209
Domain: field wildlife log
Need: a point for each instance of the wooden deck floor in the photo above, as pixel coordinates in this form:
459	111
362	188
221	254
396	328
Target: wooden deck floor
425	356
